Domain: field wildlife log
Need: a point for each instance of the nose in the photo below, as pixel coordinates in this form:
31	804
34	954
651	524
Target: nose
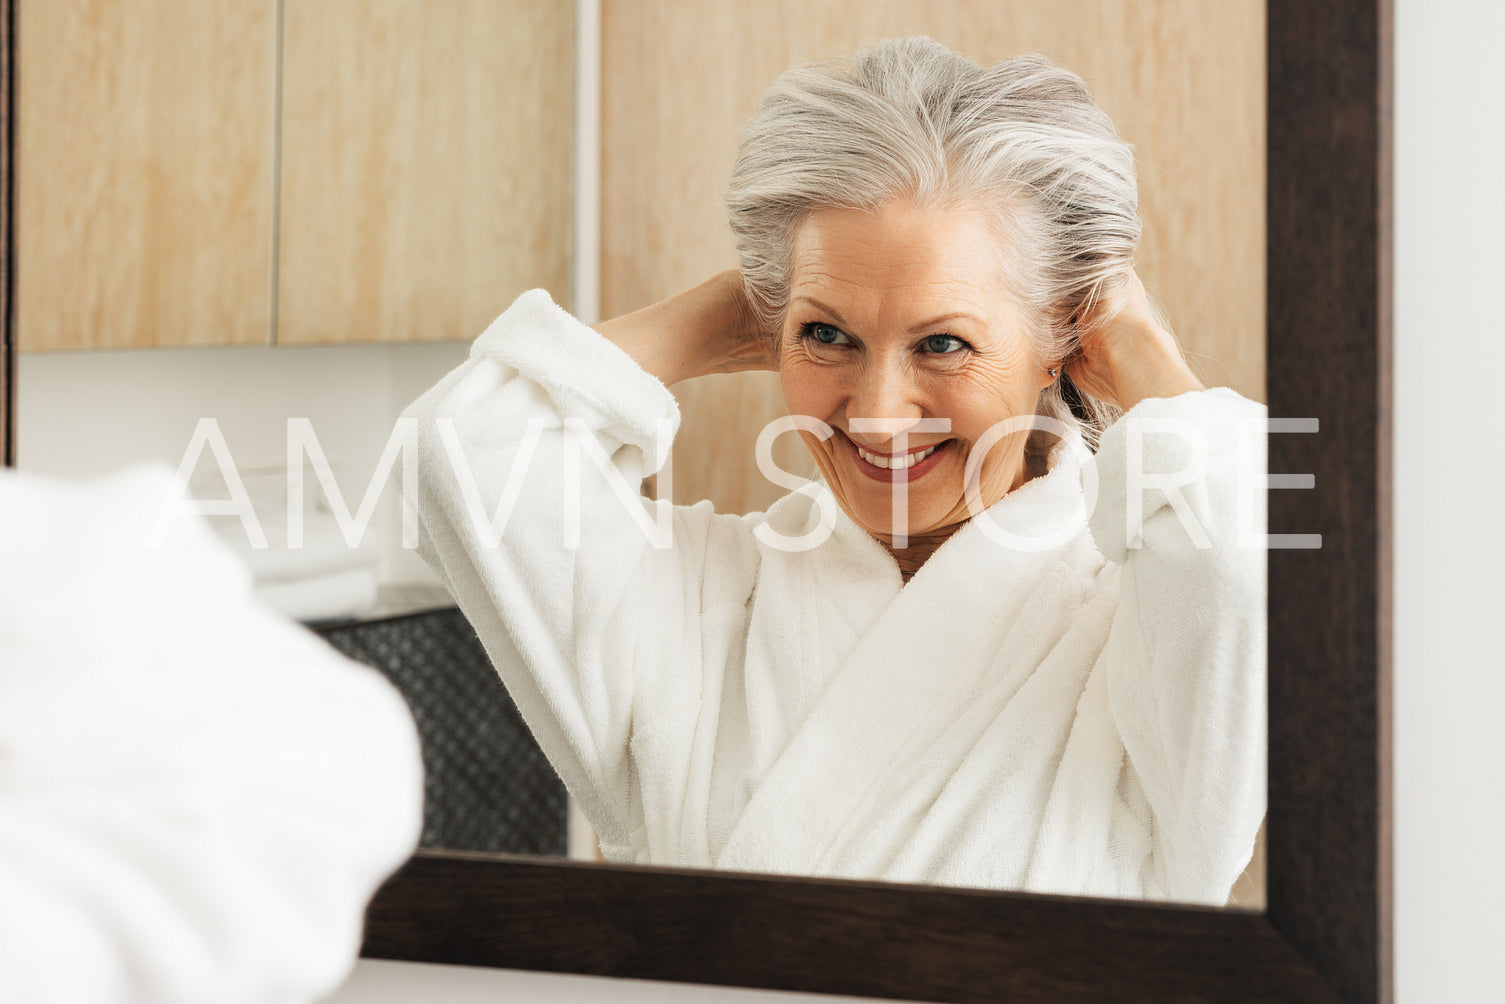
885	391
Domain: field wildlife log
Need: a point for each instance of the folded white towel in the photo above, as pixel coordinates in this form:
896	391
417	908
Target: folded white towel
323	549
321	597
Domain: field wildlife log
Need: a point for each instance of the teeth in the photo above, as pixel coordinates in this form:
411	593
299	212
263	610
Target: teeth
890	463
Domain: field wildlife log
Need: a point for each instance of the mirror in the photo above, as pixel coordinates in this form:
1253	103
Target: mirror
1329	888
336	213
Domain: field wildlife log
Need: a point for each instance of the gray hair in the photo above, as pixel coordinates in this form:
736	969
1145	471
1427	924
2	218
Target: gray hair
1021	141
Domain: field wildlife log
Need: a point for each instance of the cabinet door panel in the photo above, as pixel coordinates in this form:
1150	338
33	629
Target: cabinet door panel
426	165
144	172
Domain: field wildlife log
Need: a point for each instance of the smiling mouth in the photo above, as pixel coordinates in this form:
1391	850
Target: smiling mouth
889	463
898	467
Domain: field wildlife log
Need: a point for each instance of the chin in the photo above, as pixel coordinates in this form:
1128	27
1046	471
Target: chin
880	522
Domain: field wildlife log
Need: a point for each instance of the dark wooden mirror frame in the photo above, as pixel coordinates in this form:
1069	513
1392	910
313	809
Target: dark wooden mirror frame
1326	934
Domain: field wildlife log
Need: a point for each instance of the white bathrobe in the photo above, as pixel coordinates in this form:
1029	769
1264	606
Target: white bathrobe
197	797
1086	716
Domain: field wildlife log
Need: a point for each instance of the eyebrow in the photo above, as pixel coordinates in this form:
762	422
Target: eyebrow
822	308
914	329
943	318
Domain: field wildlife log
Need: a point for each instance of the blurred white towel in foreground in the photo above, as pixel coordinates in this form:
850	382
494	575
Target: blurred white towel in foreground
197	797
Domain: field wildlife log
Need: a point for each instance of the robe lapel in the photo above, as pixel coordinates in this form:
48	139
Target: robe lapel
899	685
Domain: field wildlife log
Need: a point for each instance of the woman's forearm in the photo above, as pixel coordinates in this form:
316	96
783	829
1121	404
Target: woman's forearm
706	329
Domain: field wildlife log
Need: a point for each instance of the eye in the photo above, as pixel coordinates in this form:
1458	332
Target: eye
824	334
944	344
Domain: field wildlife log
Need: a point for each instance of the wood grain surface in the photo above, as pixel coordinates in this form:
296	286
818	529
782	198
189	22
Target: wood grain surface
1330	357
426	165
868	939
1184	81
144	172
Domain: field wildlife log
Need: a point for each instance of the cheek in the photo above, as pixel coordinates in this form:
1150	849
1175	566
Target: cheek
988	395
808	389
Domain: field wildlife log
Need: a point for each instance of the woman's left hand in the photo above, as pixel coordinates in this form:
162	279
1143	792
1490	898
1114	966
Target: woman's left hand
709	328
1125	355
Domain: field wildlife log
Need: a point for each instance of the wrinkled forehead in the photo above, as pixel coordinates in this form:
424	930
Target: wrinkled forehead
899	261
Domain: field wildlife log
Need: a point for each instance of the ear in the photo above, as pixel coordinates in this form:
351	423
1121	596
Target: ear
1064	319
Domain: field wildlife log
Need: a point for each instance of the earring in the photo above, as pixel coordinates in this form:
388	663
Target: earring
1052	372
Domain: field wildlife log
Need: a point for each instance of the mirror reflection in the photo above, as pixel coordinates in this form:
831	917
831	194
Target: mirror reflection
976	626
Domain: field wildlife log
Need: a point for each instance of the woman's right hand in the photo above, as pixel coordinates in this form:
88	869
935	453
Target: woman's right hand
1125	354
709	328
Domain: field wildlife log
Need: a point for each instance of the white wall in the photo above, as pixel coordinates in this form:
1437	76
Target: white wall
377	982
1449	363
83	413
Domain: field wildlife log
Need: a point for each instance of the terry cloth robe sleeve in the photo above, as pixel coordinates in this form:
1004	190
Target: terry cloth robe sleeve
530	457
1181	511
197	797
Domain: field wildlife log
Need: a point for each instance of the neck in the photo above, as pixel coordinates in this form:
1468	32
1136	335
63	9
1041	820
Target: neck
921	546
918	550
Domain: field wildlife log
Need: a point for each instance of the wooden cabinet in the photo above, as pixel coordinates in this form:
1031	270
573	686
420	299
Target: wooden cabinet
189	174
426	165
144	172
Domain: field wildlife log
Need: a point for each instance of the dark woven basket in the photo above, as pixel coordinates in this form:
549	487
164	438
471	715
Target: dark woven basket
487	785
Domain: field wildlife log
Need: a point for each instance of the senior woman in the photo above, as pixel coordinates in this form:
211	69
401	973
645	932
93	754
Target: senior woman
972	653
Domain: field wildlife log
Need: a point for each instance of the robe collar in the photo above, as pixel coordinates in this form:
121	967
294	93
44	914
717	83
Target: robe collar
902	677
1040	515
